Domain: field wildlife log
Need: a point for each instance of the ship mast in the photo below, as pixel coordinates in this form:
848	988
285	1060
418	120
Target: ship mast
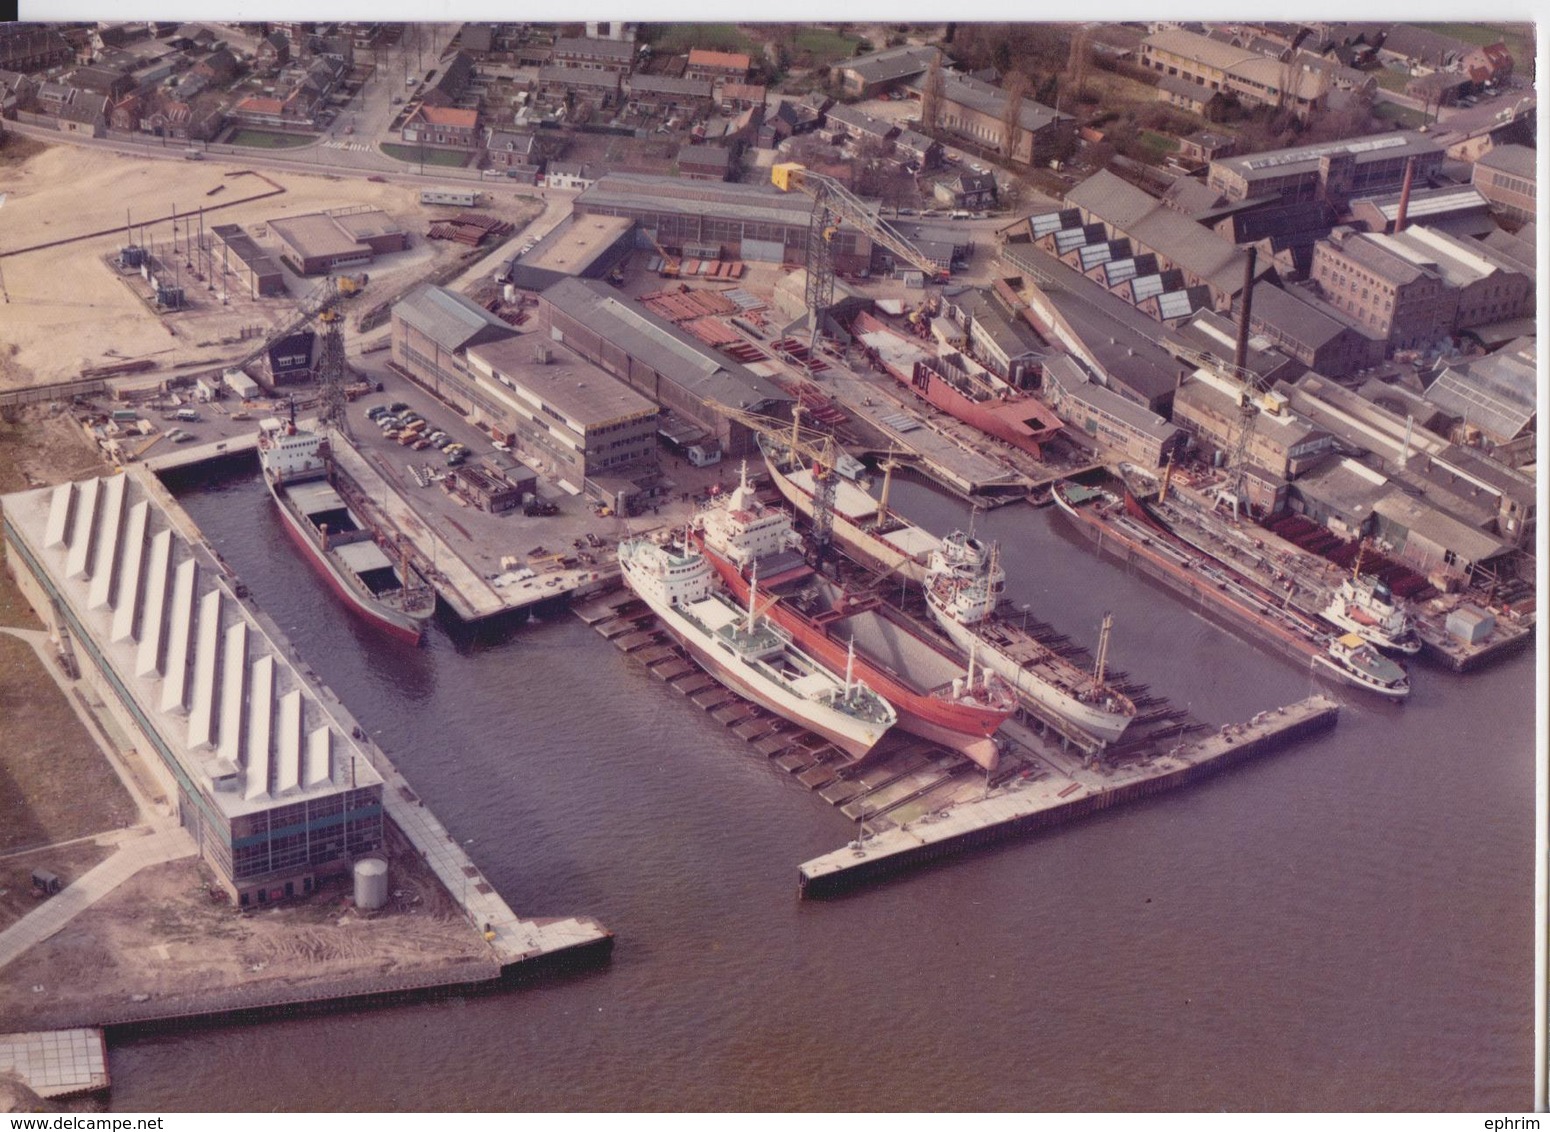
972	656
850	666
888	466
753	594
1102	664
1356	567
1162	492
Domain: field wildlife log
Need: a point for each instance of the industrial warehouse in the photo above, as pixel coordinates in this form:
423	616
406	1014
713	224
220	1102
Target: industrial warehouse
274	793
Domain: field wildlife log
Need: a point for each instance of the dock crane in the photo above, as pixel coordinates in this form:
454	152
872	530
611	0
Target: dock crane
322	305
833	205
670	265
818	448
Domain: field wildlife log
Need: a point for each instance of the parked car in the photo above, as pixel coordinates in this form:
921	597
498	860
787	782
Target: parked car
397	407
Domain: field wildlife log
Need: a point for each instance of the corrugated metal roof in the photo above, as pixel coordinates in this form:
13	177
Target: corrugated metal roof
1497	393
446	318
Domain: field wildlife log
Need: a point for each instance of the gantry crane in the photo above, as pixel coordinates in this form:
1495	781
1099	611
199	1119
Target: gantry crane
834	204
818	448
1250	405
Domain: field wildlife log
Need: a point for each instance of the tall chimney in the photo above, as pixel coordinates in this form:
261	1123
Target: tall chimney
1240	357
1404	195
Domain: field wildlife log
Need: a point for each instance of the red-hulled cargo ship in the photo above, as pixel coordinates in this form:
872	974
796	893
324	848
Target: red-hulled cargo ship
341	547
960	387
753	546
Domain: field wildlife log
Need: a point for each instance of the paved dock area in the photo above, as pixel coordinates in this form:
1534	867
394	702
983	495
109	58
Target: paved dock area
185	455
56	1064
1061	793
472	595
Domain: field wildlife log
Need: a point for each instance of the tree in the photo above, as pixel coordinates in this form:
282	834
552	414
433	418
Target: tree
1011	114
931	96
1076	62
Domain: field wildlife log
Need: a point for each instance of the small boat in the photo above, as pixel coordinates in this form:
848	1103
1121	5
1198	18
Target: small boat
748	652
1361	665
1366	606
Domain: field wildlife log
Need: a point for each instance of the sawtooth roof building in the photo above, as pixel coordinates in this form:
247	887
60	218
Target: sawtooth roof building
274	791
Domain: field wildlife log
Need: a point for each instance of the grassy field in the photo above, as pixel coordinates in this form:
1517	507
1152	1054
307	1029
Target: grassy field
427	156
676	39
1391	79
1156	146
67	862
55	784
1403	115
263	139
821	47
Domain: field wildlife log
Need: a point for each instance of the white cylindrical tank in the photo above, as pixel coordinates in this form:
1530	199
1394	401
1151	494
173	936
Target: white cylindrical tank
510	293
371	884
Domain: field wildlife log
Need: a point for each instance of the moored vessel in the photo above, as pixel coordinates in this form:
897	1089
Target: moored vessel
1365	605
340	546
755	549
864	527
748	652
1360	664
964	584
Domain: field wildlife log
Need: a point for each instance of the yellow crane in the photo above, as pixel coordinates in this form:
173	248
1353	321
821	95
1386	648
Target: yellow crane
834	204
670	266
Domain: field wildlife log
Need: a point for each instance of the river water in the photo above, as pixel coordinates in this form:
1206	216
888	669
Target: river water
1345	925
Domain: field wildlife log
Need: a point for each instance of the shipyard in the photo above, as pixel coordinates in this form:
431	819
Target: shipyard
908	438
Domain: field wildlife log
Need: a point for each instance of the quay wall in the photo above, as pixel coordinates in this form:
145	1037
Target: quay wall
1209	756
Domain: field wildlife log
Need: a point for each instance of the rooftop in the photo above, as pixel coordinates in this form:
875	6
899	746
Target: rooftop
1496	392
445	317
1418	517
1305	158
1518	160
728	60
220	694
892	64
576	242
588	396
661	345
617	50
672	194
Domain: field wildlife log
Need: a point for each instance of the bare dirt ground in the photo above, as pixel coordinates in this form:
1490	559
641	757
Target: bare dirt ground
69	310
162	936
44	444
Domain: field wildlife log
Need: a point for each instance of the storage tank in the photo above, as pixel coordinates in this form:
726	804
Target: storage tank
371	884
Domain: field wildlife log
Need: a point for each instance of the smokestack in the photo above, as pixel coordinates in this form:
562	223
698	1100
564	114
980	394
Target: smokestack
1404	195
1240	357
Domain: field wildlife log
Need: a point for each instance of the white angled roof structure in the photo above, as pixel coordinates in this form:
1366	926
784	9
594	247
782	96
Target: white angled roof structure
213	690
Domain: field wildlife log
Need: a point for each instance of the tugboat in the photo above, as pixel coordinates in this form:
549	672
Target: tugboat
1366	606
748	652
935	697
391	595
1361	665
964	583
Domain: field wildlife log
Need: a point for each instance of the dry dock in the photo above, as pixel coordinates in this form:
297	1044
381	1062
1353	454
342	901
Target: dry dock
1023	805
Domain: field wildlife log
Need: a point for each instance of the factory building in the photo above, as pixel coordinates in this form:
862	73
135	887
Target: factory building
432	329
711	220
320	242
658	360
1332	171
274	793
257	272
575	418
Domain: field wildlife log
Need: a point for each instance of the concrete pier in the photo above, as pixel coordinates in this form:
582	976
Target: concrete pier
1023	804
57	1064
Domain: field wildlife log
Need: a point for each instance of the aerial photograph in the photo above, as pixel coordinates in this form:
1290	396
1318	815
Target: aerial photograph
874	567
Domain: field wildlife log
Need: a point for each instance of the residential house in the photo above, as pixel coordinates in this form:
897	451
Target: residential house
87	115
717	66
1187	94
442	126
594	54
1205	146
967	190
1412	47
218	68
705	162
17	92
272	53
52	98
857	125
666	95
124	114
917	149
579	85
451	83
515	152
571	175
740	96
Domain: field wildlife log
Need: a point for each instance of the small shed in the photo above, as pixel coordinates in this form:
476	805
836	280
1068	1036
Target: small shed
45	883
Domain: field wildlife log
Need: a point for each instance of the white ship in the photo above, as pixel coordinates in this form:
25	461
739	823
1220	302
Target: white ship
1366	606
749	653
1358	663
964	584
